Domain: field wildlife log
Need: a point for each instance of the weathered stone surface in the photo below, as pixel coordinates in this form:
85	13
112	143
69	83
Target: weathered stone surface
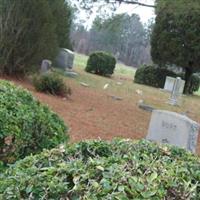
70	74
115	97
169	84
177	91
45	66
173	128
65	59
146	107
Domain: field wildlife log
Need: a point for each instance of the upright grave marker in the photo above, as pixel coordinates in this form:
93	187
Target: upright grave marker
173	128
45	66
65	59
169	83
177	91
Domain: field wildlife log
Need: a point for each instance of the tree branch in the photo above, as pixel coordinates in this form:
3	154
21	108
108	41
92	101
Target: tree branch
135	2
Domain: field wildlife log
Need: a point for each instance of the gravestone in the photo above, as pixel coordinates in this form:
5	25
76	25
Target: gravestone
182	85
70	73
177	91
64	59
173	128
169	84
45	66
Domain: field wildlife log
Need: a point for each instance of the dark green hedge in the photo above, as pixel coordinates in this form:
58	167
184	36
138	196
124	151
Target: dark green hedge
98	170
155	77
26	126
195	83
101	63
152	76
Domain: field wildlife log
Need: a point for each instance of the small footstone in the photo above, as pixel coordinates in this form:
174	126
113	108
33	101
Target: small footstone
116	98
146	107
70	74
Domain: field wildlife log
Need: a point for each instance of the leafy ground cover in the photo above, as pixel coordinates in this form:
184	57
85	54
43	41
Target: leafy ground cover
117	170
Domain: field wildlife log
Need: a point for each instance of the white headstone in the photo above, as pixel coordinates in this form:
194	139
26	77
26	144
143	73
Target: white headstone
169	83
173	128
45	66
182	85
177	91
65	59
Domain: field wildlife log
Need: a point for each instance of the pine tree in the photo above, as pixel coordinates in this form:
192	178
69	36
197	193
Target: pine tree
27	34
176	36
62	13
31	31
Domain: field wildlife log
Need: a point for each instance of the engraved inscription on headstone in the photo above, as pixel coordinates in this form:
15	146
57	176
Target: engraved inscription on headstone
169	125
165	140
173	128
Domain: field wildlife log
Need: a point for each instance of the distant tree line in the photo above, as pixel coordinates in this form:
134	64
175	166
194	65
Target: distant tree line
122	35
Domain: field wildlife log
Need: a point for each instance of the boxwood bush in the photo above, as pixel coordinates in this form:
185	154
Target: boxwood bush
51	83
155	77
152	76
101	63
26	126
98	170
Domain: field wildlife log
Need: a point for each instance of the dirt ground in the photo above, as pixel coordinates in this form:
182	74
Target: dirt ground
91	114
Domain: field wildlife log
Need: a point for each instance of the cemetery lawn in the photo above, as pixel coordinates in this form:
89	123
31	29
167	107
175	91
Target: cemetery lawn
92	112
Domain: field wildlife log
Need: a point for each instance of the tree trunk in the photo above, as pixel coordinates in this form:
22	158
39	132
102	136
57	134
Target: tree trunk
188	76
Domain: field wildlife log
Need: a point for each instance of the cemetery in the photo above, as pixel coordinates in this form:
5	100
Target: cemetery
109	111
91	114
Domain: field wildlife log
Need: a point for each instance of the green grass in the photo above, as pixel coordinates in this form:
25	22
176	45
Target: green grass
123	74
198	92
121	69
128	90
80	61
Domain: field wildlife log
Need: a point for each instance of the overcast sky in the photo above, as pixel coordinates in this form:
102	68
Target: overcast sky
145	13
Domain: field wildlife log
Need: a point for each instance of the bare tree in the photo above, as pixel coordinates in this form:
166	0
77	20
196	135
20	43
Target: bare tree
89	3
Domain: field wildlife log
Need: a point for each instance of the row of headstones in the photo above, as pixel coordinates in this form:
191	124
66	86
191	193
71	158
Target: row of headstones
170	127
165	127
64	60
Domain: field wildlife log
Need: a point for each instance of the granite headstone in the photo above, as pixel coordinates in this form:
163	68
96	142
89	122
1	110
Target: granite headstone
173	128
64	59
45	66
